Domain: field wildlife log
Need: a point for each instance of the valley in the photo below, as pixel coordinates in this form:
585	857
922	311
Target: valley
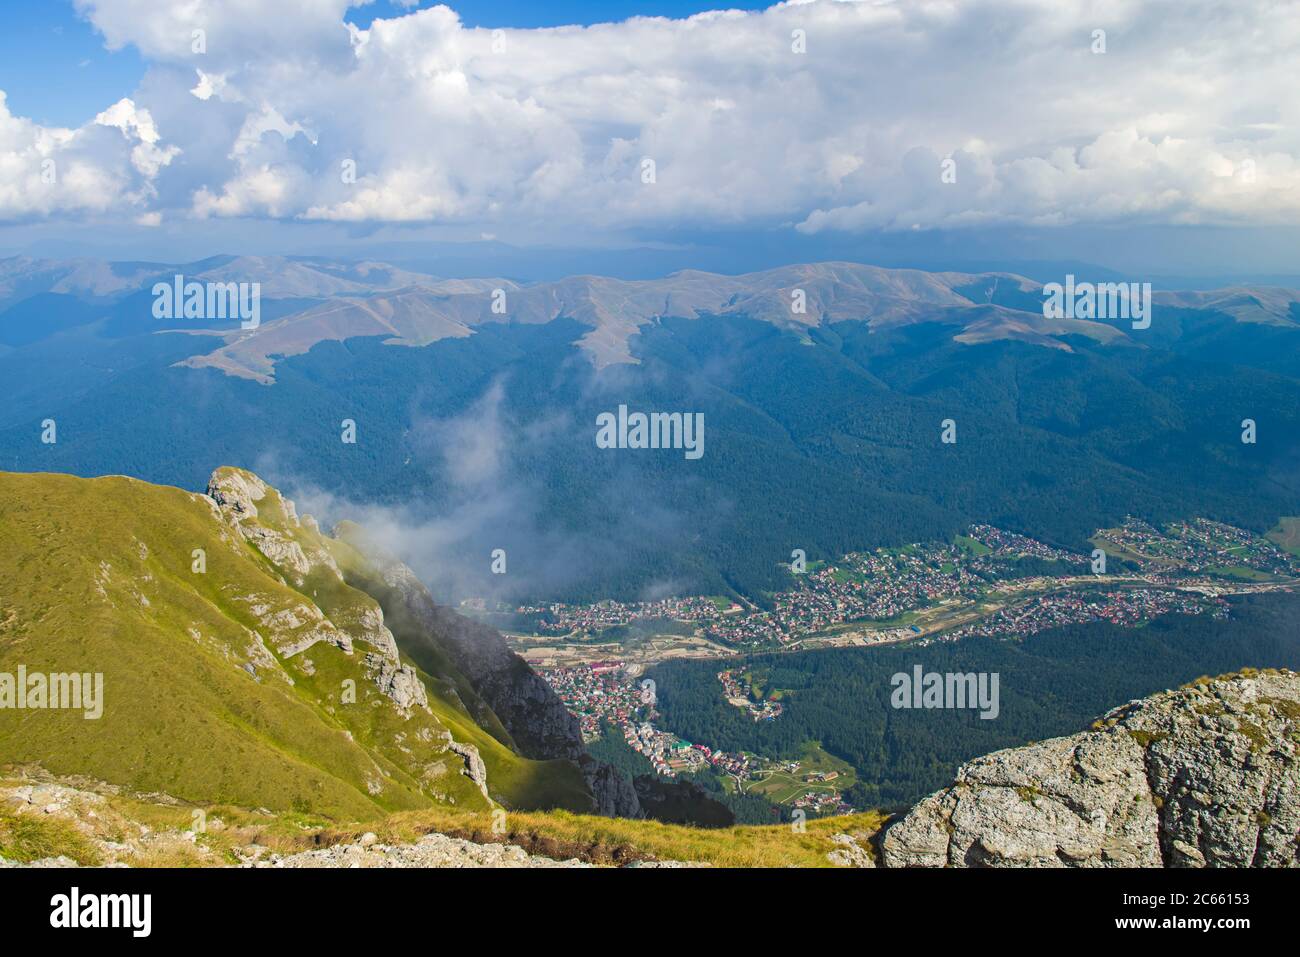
987	582
710	639
988	585
829	428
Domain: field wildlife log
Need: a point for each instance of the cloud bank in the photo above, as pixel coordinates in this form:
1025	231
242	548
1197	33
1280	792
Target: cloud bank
824	116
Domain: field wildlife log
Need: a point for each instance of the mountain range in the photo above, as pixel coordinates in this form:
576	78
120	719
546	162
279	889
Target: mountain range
474	405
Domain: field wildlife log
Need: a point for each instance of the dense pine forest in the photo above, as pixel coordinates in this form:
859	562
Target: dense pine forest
827	440
1051	684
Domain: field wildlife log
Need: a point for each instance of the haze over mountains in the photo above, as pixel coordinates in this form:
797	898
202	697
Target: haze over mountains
614	310
374	299
475	425
410	308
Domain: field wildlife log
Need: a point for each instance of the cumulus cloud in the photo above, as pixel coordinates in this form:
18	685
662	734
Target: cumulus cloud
137	125
106	166
289	111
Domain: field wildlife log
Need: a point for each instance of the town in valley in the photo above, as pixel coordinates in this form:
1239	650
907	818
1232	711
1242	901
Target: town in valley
989	582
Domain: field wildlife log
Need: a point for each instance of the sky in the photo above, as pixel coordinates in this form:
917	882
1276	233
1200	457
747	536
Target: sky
1141	134
55	69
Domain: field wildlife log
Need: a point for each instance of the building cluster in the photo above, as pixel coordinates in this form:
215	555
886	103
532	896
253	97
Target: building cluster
878	586
669	754
597	693
605	694
1126	607
822	802
737	693
1202	546
558	618
886	584
739	766
1006	544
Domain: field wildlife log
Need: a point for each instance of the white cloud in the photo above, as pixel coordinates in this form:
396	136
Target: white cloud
208	84
105	166
136	124
1188	117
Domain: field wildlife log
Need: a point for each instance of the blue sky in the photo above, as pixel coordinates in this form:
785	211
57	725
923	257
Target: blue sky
54	67
554	13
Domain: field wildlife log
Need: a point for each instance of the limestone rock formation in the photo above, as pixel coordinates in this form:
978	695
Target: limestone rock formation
270	522
400	682
1206	775
475	769
538	722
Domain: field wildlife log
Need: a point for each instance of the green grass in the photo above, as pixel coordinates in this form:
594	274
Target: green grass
971	546
1115	551
619	840
847	576
901	620
1287	534
1243	572
27	837
95	576
782	787
559	834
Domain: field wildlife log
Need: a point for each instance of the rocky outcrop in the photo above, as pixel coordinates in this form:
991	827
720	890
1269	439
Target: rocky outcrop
238	495
475	769
269	521
536	719
852	850
1204	776
397	681
615	795
1226	767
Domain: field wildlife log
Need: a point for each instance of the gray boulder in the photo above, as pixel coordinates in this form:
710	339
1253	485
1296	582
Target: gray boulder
1204	776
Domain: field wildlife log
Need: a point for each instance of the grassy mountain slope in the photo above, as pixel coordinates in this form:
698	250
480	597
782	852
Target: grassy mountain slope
230	684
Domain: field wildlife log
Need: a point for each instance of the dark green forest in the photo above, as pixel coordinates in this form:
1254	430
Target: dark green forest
829	443
1053	683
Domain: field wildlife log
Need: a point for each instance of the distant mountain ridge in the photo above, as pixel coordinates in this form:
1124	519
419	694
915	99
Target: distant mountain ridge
791	298
280	276
340	301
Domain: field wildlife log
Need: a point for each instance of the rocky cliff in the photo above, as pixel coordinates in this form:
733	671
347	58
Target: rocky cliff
497	687
1204	776
538	724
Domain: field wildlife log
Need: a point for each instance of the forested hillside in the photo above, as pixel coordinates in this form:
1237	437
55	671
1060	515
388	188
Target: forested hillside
829	435
1050	684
